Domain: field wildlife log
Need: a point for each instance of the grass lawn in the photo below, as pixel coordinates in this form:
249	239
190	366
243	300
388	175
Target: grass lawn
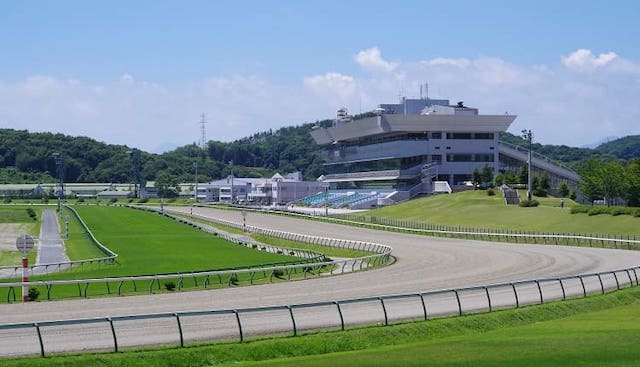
596	331
15	220
477	209
149	244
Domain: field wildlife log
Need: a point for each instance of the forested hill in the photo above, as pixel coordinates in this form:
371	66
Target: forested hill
624	148
28	157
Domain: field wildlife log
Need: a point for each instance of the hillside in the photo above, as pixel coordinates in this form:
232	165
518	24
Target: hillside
27	157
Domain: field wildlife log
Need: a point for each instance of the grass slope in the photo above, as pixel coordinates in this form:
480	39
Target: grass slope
477	209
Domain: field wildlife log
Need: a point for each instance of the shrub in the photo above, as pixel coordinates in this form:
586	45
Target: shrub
31	213
572	195
113	201
619	211
80	200
529	203
596	210
636	213
33	294
6	200
278	273
143	200
539	192
491	192
580	209
170	286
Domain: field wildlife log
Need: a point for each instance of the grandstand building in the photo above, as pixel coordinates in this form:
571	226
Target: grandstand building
417	146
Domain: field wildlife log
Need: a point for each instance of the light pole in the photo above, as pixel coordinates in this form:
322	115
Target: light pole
528	136
231	168
59	161
134	156
195	193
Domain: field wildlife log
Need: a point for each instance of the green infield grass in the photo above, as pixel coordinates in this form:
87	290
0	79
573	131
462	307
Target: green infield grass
149	244
594	331
475	209
14	221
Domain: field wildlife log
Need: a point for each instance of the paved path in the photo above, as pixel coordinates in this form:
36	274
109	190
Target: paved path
51	248
424	263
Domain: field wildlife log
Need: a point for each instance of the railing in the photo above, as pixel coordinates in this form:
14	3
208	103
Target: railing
113	332
629	242
45	268
316	264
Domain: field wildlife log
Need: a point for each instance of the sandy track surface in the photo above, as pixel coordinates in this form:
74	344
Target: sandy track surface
423	264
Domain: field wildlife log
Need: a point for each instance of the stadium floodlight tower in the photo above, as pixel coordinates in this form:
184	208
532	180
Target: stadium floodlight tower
59	167
527	135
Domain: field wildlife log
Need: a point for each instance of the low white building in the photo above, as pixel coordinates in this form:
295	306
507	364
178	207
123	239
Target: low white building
277	190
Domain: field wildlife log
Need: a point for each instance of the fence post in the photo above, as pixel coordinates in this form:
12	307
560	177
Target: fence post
630	280
617	282
113	332
486	290
540	291
239	325
35	324
564	296
179	329
340	314
293	321
584	290
515	293
384	310
424	305
601	284
458	300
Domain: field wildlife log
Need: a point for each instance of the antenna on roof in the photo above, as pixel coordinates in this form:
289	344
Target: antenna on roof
203	142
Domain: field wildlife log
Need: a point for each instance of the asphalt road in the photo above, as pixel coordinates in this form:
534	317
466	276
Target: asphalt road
423	264
51	249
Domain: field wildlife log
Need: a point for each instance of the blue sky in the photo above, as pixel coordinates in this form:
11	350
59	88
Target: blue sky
140	73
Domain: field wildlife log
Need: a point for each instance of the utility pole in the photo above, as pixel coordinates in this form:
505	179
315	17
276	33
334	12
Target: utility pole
203	137
195	194
231	167
59	166
527	135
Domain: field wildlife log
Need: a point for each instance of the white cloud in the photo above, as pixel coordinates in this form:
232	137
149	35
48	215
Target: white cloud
371	60
127	78
585	60
561	106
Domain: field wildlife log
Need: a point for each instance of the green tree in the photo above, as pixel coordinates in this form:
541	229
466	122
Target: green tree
603	180
563	189
632	178
167	185
523	176
498	179
476	177
486	175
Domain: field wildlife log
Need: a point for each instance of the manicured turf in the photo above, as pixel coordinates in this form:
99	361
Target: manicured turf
18	218
16	214
478	210
596	331
148	243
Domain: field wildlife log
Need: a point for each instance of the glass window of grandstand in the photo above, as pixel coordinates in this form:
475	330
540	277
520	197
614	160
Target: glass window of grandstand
469	157
468	136
436	158
378	165
437	135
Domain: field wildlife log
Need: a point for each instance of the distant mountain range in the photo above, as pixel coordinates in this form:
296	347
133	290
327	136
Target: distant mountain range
28	157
